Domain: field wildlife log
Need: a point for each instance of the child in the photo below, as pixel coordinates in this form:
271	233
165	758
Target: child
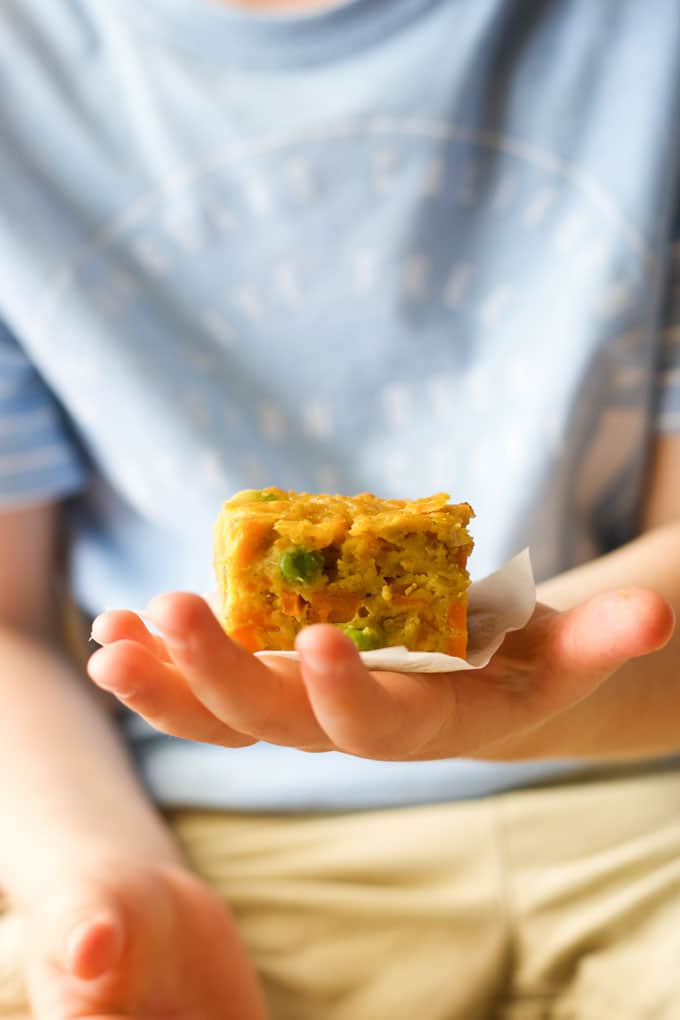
398	246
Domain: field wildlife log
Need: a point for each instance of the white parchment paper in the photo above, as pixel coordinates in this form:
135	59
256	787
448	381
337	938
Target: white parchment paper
497	604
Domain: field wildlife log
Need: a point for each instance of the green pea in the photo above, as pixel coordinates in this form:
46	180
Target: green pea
262	496
365	638
301	566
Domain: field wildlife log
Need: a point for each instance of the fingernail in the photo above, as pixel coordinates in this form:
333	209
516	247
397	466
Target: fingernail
127	695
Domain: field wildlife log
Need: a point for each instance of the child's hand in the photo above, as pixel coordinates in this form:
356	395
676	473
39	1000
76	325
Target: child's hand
196	683
138	940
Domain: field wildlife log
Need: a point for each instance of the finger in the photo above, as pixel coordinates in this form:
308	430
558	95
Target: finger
158	692
95	947
123	625
264	698
85	937
610	629
388	716
557	660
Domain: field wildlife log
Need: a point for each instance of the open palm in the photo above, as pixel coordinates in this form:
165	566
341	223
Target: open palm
196	683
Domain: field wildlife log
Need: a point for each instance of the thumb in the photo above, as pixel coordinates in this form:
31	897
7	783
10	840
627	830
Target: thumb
83	935
94	946
602	634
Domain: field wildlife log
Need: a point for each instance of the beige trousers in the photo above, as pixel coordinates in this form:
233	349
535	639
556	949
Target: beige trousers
560	903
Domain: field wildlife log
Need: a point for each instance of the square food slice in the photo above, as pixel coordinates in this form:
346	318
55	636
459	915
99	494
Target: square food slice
389	572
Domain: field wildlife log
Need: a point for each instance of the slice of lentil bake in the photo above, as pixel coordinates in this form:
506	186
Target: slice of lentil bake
387	571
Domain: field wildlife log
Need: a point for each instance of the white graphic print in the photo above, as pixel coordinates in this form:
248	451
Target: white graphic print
495	306
396	466
182	228
572	231
441	392
327	478
115	294
538	206
271	422
396	401
258	196
211	469
384	168
434	177
248	302
318	418
195	406
216	324
218	215
301	180
255	472
288	284
591	256
150	255
414	277
505	192
392	353
458	279
366	270
441	468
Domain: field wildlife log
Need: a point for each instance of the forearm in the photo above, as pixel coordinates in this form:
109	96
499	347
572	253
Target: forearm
68	792
636	712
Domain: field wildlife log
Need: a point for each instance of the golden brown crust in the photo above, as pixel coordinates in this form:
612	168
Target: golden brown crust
391	571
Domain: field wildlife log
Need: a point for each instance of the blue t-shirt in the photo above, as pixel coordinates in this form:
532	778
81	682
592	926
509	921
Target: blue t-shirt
398	246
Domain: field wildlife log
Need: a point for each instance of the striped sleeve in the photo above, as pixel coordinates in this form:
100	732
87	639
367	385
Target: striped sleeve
39	460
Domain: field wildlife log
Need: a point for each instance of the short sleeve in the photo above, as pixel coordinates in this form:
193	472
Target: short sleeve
39	460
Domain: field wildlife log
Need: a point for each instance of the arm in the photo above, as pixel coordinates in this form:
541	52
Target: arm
636	711
50	726
114	921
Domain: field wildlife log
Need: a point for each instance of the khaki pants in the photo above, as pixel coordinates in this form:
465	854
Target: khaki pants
560	902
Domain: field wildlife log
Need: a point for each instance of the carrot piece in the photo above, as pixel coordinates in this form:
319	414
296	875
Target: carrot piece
253	538
292	604
248	637
456	619
335	607
456	616
456	644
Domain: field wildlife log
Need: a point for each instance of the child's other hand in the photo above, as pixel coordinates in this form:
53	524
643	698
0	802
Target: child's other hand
196	683
137	940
